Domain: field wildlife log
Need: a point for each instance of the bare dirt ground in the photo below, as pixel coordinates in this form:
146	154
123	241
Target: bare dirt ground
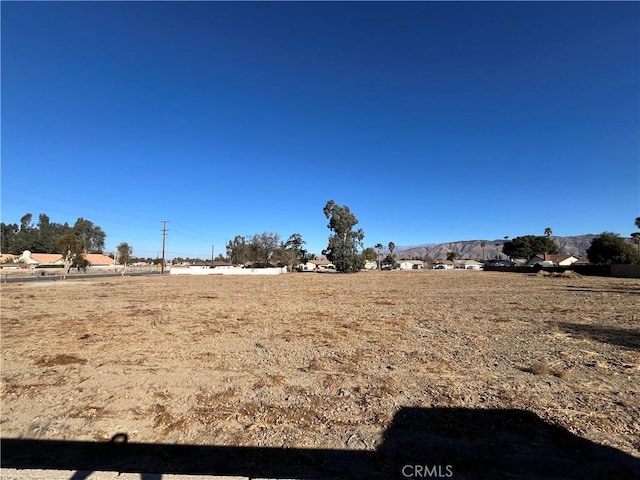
316	360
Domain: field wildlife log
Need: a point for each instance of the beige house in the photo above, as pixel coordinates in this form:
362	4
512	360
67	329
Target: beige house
547	259
370	265
317	265
7	261
99	260
42	260
410	264
39	259
468	264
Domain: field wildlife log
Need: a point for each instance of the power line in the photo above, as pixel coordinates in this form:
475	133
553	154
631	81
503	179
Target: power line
51	197
164	237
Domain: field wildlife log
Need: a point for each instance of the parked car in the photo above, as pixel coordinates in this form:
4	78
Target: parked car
499	263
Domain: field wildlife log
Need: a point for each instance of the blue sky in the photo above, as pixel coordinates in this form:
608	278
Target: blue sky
432	121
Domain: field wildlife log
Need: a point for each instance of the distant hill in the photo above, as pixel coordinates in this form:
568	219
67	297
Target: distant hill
472	249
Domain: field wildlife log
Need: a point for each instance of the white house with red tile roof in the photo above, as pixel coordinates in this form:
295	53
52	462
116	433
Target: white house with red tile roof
39	259
6	257
55	259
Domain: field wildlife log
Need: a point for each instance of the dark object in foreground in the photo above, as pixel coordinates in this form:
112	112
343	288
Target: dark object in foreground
457	443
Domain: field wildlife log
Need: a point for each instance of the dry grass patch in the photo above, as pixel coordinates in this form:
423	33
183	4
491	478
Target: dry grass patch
61	359
316	361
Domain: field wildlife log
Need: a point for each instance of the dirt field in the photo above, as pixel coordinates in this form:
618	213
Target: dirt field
316	360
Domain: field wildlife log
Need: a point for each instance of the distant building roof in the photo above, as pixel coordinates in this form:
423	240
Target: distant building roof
583	260
31	258
7	257
556	259
218	263
320	262
467	262
98	259
41	258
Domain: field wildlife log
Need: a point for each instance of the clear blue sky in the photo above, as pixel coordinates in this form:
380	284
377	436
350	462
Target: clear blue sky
433	122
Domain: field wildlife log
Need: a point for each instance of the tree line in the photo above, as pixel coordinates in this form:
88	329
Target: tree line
45	235
346	251
345	244
267	249
606	248
611	248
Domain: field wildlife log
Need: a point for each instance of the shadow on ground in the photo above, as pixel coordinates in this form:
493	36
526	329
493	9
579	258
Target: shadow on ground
623	337
622	289
457	443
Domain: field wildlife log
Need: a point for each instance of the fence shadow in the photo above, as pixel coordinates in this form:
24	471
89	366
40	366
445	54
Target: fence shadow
623	337
621	289
457	443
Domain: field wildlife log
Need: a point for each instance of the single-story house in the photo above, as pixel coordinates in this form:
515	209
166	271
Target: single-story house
318	264
99	260
410	264
468	264
39	259
552	260
582	261
7	261
443	265
43	260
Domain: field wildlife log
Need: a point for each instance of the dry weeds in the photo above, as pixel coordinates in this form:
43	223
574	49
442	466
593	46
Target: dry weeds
320	361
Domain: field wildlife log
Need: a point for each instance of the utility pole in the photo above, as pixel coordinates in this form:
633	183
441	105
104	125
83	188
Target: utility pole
164	237
212	255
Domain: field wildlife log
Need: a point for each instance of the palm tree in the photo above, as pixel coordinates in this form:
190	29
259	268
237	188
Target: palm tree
497	250
379	247
392	247
636	235
547	232
483	244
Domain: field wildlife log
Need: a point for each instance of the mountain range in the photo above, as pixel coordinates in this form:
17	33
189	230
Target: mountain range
473	250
